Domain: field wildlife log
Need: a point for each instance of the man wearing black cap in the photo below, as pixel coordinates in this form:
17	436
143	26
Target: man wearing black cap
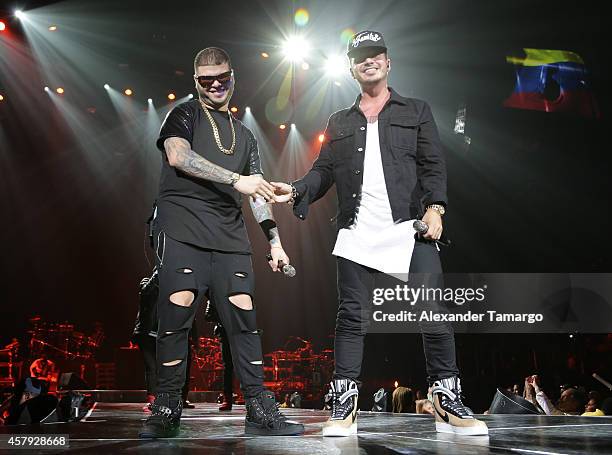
384	155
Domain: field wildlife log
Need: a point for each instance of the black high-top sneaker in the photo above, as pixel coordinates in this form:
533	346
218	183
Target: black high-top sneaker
264	419
452	416
165	418
343	420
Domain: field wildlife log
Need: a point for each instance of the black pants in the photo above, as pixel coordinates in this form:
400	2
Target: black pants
355	286
183	267
228	368
146	344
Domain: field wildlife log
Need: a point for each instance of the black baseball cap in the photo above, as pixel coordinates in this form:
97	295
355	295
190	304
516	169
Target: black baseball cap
367	39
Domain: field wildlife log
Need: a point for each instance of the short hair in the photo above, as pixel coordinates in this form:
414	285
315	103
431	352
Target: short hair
211	56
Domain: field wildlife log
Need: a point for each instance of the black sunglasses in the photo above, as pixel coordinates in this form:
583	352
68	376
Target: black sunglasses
208	81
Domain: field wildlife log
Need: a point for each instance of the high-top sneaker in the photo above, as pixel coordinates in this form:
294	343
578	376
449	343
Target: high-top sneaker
343	421
452	416
263	418
165	418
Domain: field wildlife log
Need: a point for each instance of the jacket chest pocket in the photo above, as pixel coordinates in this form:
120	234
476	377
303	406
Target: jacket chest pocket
403	134
341	140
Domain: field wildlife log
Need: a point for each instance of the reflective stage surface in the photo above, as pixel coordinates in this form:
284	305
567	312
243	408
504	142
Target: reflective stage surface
113	428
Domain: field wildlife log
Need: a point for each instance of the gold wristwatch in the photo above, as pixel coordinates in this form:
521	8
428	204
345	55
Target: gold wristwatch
438	208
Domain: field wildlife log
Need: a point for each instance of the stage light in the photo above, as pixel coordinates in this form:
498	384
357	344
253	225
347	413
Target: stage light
171	96
247	109
128	92
59	90
52	28
19	14
293	126
301	17
305	66
2	26
295	49
1	98
234	109
282	126
335	66
265	55
106	86
321	137
396	384
190	96
46	89
346	35
337	84
150	101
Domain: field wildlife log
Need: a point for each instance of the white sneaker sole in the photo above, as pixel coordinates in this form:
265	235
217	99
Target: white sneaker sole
333	431
477	430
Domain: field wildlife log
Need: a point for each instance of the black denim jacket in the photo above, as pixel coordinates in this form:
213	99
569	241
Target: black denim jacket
413	163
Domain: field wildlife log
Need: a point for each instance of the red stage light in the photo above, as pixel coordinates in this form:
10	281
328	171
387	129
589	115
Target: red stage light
2	26
321	137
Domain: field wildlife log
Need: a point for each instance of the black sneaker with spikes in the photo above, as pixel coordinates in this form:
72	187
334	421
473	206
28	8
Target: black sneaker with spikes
165	418
264	419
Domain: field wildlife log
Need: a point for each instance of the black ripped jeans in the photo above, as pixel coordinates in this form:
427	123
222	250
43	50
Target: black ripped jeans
355	286
184	267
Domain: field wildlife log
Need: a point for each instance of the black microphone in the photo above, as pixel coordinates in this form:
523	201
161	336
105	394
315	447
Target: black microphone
287	269
421	227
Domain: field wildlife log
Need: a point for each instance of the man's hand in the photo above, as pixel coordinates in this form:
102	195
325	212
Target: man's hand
282	192
279	258
254	185
434	221
535	381
528	390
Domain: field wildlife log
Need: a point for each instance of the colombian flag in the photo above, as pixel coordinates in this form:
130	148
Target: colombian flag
552	81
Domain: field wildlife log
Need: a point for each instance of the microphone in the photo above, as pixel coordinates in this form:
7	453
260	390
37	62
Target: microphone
287	269
421	227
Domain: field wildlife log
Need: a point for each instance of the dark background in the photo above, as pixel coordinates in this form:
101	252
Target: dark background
529	194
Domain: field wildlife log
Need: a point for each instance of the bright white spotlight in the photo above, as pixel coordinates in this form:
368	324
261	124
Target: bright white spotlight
295	49
106	86
150	101
335	66
46	88
190	96
293	126
19	14
247	109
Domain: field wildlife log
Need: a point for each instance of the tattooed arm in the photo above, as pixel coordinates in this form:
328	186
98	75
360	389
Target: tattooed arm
262	211
181	157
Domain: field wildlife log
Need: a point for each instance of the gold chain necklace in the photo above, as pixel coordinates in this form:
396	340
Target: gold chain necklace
229	151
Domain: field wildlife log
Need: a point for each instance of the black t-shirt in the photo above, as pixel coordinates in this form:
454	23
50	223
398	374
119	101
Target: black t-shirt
197	211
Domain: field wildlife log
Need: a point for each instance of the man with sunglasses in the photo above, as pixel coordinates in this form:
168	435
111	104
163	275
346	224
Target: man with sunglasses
210	160
384	155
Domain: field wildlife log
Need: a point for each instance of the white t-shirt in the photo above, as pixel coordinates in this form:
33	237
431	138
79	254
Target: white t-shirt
374	240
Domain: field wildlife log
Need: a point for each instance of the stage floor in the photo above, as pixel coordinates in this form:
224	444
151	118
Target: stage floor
113	428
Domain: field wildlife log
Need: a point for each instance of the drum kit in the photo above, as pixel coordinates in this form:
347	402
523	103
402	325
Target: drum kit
209	364
296	367
61	340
